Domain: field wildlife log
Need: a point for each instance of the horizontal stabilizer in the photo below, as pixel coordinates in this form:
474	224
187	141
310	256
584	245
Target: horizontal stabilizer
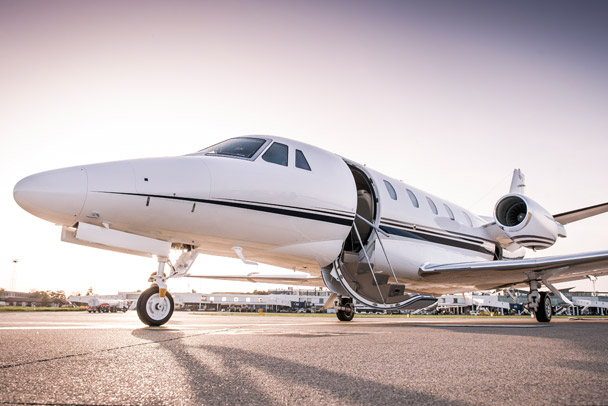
300	279
580	214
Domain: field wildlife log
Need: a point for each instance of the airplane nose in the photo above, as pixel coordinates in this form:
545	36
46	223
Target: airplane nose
57	196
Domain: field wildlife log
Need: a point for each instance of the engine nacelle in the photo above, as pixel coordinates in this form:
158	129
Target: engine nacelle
526	222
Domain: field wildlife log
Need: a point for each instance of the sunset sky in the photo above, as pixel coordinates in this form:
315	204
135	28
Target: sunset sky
449	96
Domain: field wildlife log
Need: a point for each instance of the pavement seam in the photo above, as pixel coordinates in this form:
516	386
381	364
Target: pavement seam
18	364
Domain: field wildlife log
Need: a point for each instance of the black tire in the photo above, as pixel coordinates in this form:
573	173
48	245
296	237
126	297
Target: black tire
346	315
545	310
152	309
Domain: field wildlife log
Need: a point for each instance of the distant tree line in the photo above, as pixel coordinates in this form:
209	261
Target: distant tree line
49	296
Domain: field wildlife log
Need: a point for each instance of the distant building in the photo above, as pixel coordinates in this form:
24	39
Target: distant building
312	300
25	299
273	301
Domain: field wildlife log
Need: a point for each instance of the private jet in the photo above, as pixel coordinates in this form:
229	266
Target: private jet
270	200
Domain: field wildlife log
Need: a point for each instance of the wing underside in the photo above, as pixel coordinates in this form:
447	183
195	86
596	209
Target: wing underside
501	274
292	279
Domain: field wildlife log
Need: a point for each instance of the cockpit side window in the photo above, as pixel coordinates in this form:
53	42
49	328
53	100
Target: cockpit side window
301	161
242	147
276	154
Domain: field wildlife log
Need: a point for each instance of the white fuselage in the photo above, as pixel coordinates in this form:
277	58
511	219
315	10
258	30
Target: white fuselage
280	215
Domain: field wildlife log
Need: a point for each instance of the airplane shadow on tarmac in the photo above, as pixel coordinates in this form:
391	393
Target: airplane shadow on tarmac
226	375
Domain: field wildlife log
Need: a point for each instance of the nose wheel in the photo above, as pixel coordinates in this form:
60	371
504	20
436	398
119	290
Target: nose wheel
152	309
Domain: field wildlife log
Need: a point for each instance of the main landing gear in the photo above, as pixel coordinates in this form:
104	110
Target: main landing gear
345	309
540	303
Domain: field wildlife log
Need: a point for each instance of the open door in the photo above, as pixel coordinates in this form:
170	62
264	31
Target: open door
355	268
366	209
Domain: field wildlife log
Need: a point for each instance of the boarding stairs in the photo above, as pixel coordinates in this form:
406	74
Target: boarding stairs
375	288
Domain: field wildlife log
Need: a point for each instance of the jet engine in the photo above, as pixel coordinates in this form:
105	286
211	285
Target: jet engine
526	222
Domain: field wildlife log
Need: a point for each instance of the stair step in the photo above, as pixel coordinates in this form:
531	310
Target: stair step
382	279
352	268
363	268
349	257
396	289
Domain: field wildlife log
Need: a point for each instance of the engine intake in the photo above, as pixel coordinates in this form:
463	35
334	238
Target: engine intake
526	222
511	211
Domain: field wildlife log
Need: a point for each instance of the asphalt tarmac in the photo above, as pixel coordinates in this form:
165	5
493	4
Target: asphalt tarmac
111	359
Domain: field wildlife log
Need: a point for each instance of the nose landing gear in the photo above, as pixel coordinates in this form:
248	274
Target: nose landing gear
155	305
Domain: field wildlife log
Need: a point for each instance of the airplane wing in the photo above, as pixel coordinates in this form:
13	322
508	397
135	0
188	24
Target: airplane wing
500	274
301	279
576	215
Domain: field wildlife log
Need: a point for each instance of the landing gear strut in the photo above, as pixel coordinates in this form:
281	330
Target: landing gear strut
345	310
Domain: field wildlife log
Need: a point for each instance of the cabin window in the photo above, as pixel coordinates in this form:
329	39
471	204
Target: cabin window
276	154
301	161
413	198
450	212
243	147
432	205
466	216
391	190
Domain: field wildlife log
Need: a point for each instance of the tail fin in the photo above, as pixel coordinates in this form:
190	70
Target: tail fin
518	183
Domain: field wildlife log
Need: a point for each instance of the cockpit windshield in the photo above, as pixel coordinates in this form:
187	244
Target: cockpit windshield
242	147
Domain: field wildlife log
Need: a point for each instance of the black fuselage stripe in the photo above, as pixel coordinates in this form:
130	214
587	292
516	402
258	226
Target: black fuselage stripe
275	210
464	237
333	213
454	234
319	217
434	239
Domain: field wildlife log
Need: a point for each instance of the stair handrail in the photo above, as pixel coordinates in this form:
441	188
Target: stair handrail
379	230
369	262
